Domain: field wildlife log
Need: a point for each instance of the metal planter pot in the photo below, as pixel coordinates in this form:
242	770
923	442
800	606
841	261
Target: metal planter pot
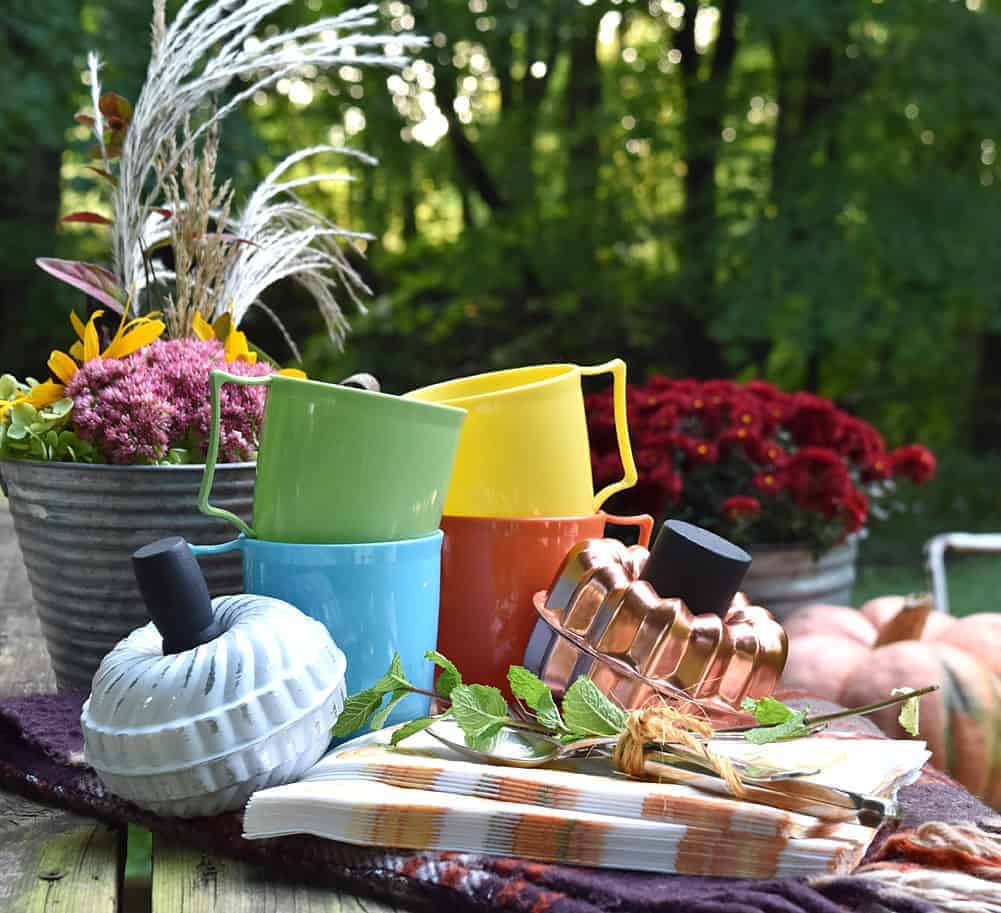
77	526
784	578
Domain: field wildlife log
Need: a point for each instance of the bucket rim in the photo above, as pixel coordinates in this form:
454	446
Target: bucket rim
61	466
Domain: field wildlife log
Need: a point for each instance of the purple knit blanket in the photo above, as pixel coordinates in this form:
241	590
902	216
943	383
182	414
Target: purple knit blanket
41	756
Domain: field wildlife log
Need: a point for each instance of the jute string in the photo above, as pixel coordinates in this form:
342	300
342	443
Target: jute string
670	726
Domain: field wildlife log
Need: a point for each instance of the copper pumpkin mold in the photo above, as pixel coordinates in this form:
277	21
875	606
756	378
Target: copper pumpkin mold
599	619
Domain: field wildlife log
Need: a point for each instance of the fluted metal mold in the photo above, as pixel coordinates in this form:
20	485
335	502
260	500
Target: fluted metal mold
195	733
77	526
600	619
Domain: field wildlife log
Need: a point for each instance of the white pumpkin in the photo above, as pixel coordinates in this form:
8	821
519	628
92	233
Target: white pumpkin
196	732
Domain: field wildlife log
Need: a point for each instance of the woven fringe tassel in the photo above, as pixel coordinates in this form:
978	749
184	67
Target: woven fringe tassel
954	892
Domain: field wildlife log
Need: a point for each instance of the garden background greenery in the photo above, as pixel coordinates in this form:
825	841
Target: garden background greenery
805	190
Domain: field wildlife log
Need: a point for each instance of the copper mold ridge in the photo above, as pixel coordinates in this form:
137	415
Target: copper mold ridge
599	619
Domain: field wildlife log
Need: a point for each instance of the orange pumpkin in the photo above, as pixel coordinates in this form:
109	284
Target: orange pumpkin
855	658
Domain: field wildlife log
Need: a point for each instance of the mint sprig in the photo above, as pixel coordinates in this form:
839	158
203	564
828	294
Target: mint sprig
778	721
481	712
533	691
588	712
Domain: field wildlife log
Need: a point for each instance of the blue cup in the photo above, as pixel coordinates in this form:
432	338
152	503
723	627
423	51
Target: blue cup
375	599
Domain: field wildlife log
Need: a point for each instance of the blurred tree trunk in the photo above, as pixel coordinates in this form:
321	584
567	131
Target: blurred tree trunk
471	167
31	194
30	182
522	108
985	412
583	113
705	105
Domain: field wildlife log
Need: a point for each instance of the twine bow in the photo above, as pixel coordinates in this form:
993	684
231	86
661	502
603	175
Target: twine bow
669	726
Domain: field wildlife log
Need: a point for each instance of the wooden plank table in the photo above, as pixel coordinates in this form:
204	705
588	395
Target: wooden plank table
57	862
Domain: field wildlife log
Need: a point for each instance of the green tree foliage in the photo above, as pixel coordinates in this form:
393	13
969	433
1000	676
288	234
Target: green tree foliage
804	190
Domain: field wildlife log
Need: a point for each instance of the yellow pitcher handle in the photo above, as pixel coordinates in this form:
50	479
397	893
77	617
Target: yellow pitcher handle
218	378
617	368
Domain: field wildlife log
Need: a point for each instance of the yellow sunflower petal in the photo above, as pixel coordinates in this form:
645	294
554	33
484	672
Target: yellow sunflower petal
222	326
202	328
76	350
294	372
91	343
77	325
45	394
135	339
236	345
62	366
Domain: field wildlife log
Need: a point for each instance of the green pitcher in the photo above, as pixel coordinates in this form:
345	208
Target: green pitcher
337	464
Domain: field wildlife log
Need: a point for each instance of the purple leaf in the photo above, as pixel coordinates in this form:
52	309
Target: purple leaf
114	107
93	218
96	281
107	175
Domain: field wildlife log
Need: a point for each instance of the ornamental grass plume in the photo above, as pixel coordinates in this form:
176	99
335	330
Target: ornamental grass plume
159	159
153	406
750	461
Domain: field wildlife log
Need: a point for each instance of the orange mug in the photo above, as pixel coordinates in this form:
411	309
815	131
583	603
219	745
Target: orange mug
490	569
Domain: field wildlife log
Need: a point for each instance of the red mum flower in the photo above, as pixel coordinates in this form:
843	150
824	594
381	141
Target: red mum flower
648	458
740	506
768	483
736	439
814	421
880	466
860	442
698	451
668	482
817	479
765	451
916	462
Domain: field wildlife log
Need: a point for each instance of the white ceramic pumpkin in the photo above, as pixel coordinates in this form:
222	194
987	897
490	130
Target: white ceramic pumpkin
196	732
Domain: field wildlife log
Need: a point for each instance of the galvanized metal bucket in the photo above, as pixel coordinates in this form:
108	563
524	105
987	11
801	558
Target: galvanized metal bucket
785	578
77	526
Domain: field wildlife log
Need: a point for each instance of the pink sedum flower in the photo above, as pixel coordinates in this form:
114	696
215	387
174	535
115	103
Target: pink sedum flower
135	409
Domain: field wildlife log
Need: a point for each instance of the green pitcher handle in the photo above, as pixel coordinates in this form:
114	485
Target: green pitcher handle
218	378
617	368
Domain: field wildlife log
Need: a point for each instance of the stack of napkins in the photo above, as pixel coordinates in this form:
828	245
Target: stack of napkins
424	797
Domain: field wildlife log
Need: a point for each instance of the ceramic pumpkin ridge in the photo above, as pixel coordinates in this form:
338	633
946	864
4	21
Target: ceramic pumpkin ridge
855	658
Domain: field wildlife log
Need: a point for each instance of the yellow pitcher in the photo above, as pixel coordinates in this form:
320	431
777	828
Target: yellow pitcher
524	448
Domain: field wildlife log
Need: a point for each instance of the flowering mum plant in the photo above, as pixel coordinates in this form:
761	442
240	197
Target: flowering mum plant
139	400
753	463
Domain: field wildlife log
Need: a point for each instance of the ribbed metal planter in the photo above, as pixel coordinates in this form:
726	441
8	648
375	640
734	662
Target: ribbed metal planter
785	578
77	526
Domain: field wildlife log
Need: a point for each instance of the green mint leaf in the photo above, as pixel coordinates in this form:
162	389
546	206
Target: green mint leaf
792	728
357	709
909	712
588	712
412	728
767	710
481	713
450	676
379	719
528	687
394	679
